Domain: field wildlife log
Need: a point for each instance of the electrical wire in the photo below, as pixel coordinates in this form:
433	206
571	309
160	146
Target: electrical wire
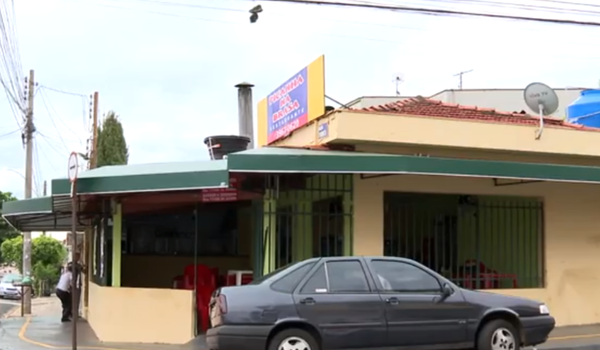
62	91
45	156
52	114
85	100
11	72
9	133
329	19
48	140
43	97
521	6
437	11
37	170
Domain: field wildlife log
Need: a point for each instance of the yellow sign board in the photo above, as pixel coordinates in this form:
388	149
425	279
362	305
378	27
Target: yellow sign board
295	103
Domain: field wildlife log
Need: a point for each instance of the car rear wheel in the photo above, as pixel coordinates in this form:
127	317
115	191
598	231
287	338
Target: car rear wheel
498	335
293	339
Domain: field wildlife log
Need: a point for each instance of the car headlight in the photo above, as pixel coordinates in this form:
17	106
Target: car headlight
544	310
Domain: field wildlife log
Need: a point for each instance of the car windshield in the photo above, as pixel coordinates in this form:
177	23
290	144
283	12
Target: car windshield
11	279
261	279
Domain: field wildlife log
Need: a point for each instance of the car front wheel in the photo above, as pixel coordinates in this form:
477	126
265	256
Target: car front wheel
498	335
293	339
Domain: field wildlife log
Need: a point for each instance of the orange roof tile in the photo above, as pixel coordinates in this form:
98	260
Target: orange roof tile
421	106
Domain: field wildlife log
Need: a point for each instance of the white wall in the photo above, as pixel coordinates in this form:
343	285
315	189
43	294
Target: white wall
503	100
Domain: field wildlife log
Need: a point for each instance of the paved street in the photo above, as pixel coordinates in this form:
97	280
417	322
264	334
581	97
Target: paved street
6	306
44	330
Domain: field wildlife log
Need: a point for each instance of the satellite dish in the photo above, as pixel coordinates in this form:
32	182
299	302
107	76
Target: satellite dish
541	100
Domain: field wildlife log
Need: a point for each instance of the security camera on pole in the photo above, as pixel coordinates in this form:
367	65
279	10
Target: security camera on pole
73	169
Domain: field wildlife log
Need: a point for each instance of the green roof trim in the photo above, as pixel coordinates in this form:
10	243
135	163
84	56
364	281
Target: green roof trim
38	205
36	214
155	177
288	160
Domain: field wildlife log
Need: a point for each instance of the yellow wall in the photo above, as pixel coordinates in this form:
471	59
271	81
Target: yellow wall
163	316
572	236
446	132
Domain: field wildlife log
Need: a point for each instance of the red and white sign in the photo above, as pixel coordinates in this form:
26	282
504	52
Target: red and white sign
219	195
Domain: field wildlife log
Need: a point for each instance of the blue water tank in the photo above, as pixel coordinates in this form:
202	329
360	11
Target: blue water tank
586	109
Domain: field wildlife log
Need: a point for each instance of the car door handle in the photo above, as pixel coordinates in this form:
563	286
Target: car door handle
307	301
392	300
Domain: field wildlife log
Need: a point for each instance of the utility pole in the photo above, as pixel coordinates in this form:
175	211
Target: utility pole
89	232
29	129
44	194
460	77
94	153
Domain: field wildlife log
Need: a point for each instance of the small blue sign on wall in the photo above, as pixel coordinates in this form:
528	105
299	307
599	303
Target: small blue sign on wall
323	130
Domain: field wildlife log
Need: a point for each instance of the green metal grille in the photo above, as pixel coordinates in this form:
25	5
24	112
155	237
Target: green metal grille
302	216
479	242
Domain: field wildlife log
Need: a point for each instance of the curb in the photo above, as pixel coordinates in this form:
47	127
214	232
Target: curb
10	313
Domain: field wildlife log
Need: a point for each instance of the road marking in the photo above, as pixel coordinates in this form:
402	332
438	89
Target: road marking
24	338
580	336
27	322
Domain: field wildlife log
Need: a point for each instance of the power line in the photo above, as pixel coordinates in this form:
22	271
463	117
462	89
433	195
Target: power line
52	112
11	72
63	91
47	140
9	133
84	101
42	95
431	11
353	37
517	6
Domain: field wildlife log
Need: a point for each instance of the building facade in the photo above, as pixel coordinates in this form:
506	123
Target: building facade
510	100
470	193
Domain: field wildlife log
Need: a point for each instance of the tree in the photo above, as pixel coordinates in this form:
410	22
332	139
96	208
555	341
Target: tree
6	231
112	147
45	251
12	251
47	256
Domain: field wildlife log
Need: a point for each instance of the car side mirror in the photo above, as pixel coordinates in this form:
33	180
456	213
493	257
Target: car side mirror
446	290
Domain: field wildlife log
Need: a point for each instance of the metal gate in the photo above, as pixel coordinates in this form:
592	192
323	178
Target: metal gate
479	242
302	216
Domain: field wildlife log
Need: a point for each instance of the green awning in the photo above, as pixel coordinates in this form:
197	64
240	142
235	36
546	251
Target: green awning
38	214
40	205
290	160
156	177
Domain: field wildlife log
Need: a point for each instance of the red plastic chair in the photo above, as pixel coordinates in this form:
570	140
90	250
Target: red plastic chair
178	282
206	276
203	296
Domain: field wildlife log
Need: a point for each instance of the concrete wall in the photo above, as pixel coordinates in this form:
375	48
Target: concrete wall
506	100
572	234
164	316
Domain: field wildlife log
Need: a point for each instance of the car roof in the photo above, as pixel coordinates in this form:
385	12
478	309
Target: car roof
334	258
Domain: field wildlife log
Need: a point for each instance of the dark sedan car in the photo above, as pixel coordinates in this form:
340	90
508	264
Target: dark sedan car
369	302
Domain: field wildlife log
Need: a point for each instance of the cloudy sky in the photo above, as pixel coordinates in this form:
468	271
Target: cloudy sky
168	67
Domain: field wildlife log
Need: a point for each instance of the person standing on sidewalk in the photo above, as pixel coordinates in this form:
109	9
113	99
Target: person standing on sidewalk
80	270
63	292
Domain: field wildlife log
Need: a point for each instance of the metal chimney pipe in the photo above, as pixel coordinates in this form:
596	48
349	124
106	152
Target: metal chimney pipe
245	118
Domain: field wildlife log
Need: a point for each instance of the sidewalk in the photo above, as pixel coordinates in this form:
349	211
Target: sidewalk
43	330
45	306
